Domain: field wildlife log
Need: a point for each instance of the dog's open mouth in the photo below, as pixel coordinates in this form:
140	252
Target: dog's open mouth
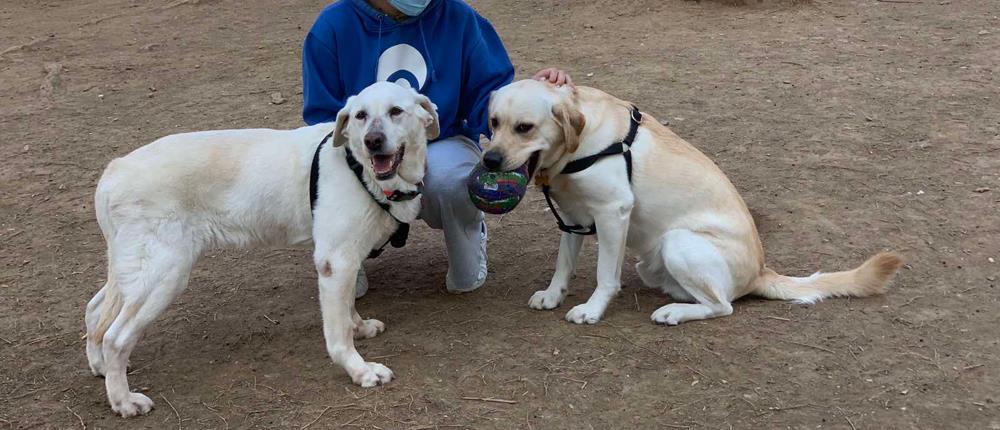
385	165
533	163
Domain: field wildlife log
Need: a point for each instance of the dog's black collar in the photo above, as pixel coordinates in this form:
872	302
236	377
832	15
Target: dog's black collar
398	238
622	147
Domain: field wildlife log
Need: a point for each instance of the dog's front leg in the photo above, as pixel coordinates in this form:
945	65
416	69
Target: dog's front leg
612	222
338	271
552	297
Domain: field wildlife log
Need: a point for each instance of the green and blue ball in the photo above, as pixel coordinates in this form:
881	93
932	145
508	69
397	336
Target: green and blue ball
497	192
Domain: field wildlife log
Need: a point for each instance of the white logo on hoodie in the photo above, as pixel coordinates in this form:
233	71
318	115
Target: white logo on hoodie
404	65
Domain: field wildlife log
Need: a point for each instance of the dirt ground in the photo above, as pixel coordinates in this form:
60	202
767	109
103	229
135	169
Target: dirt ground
849	126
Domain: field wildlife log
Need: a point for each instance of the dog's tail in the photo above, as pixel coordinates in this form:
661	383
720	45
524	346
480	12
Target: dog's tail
869	279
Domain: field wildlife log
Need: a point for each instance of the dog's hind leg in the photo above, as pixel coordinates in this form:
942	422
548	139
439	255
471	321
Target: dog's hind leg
654	274
702	271
365	328
101	312
149	274
95	358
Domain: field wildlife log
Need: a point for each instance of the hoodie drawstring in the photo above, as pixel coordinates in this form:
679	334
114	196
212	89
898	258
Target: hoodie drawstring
379	45
427	52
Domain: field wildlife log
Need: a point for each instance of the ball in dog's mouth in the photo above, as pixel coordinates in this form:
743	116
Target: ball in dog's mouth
385	165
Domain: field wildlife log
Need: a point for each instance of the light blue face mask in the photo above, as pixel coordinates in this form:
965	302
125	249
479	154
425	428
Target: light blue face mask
410	7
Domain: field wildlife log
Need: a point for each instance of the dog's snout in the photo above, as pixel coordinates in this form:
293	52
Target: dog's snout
374	141
493	160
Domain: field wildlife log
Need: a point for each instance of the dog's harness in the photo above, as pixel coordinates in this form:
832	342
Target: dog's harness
622	147
398	238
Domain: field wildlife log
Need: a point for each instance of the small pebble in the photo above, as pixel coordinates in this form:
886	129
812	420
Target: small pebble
277	98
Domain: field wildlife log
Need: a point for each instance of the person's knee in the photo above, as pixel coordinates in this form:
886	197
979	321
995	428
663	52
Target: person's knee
441	183
445	193
447	189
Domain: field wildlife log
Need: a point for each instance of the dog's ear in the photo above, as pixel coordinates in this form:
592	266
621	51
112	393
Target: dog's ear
430	117
489	112
572	122
339	132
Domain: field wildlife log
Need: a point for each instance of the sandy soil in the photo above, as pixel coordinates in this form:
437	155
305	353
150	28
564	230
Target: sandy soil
849	126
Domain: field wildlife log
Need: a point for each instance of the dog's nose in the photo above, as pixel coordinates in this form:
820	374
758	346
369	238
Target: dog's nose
493	160
374	141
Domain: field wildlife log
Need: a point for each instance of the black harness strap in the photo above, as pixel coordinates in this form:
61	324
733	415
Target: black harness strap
622	147
398	238
314	174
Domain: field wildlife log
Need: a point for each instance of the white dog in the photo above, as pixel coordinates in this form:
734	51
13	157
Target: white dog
619	173
163	205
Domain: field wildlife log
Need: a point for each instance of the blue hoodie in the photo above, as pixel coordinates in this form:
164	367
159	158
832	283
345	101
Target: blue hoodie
448	53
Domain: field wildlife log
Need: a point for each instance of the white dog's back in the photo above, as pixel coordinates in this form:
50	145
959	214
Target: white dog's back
215	178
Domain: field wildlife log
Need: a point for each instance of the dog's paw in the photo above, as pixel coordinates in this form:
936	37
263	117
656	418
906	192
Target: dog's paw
584	314
675	313
134	404
374	374
368	329
542	300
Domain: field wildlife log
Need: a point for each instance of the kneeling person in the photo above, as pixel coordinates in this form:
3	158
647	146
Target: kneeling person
443	49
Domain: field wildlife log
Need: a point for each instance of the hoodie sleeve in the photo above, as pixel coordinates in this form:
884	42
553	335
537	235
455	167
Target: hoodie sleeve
487	68
322	93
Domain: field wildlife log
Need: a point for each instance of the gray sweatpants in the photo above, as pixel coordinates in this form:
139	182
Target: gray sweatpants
447	207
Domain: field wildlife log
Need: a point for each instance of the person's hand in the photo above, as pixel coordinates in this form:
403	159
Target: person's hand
554	75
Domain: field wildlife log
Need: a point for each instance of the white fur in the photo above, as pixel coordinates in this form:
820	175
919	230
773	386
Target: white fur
166	203
809	299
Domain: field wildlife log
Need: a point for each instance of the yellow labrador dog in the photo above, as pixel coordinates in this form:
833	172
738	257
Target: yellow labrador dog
617	172
346	187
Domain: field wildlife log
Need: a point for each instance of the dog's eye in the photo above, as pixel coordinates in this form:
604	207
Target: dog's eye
523	127
395	110
494	123
361	115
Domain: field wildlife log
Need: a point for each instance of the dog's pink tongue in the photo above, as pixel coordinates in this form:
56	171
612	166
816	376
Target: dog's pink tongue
382	163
